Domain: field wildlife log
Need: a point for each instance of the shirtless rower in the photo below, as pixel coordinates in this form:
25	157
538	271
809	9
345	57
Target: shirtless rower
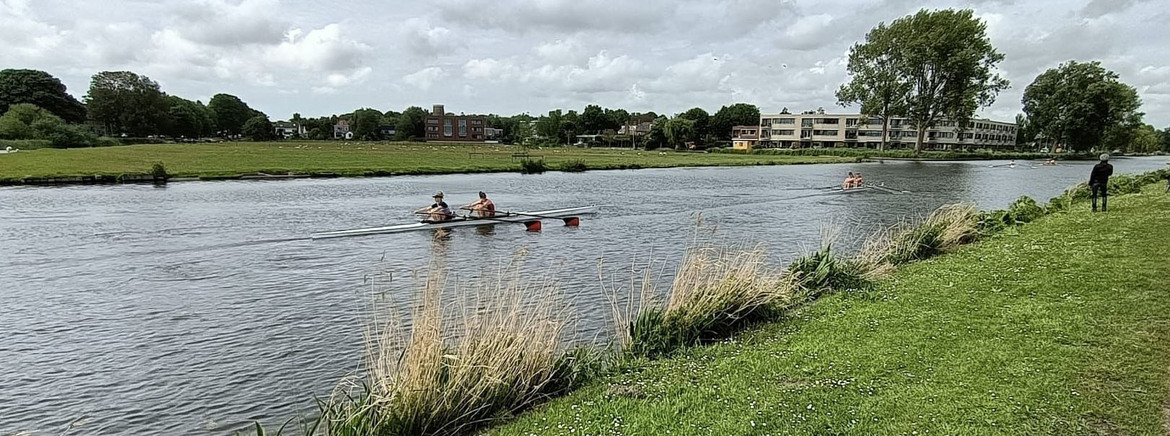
848	183
483	207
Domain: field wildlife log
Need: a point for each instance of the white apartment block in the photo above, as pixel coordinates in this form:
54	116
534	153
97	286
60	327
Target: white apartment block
855	130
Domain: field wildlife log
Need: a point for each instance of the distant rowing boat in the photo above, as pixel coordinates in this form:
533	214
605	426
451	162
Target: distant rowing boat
568	214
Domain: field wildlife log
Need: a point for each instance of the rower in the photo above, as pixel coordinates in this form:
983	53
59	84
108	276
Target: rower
848	183
858	181
483	207
1012	164
437	212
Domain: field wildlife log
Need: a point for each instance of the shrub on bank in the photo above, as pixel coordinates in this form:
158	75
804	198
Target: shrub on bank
574	166
532	166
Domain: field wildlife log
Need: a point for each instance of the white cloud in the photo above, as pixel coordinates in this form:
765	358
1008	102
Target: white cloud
425	78
536	55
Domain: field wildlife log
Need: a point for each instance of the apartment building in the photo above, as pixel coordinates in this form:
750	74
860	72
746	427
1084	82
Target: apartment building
442	126
818	129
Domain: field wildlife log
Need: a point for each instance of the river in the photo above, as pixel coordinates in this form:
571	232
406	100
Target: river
197	307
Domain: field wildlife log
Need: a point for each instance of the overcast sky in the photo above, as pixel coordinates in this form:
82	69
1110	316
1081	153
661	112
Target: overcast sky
512	56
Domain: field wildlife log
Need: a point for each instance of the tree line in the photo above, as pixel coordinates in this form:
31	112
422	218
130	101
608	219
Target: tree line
940	65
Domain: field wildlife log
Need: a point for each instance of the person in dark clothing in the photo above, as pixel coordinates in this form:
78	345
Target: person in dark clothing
1099	183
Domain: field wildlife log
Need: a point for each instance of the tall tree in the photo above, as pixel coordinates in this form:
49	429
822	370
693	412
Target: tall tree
550	126
701	121
258	128
230	113
185	118
948	62
1164	139
1078	103
593	119
739	114
679	131
875	82
41	89
367	124
411	124
124	102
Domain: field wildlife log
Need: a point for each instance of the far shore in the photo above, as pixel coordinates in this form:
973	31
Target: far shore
305	159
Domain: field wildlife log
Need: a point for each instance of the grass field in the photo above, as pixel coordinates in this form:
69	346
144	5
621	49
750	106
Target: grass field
1059	327
347	159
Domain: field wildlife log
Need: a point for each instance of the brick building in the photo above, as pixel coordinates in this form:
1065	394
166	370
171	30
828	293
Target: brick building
442	126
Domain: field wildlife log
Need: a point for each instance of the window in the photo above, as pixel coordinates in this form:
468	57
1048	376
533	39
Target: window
462	127
825	132
447	128
788	132
789	121
432	121
850	122
806	122
830	121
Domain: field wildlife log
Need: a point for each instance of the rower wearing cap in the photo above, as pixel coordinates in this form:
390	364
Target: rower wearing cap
439	211
483	208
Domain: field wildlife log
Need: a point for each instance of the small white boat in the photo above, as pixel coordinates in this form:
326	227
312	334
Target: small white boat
569	215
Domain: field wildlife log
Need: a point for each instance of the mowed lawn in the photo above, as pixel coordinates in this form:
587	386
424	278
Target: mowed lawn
1061	328
347	158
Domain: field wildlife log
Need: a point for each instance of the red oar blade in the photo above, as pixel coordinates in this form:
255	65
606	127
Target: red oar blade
532	226
572	221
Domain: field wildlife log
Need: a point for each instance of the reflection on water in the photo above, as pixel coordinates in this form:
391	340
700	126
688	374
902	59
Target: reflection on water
196	308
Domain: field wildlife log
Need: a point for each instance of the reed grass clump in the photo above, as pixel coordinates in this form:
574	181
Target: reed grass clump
1025	210
823	271
533	166
715	292
504	353
944	229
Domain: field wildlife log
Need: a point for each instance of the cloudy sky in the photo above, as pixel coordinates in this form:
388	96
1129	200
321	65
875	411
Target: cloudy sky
512	56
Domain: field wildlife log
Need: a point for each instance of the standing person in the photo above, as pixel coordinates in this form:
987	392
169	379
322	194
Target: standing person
483	208
1099	182
439	211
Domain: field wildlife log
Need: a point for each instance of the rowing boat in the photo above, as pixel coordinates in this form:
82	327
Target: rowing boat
505	217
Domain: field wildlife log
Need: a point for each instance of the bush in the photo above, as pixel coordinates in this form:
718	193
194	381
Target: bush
532	166
820	271
1025	210
574	166
159	172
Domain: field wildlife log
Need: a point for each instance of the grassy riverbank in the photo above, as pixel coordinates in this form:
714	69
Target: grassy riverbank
1061	326
232	159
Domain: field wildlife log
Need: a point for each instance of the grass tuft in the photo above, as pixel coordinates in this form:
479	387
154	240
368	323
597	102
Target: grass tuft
574	166
533	166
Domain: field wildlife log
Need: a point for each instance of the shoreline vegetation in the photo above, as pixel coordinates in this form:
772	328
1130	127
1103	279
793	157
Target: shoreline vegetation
304	159
1032	330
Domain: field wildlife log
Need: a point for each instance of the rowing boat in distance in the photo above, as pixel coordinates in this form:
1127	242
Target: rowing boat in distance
566	214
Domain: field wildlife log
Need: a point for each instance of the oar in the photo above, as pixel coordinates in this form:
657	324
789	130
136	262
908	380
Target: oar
532	226
571	221
885	189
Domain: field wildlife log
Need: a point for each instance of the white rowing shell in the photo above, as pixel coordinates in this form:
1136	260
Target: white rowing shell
511	217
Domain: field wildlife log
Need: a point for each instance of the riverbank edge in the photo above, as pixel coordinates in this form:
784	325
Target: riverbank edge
146	178
650	394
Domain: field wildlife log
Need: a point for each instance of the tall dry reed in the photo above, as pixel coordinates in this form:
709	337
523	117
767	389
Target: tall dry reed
462	361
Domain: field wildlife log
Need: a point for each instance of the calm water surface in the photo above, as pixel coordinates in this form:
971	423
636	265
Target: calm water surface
198	307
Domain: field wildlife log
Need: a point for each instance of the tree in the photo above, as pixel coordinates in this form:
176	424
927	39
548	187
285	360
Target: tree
617	118
739	114
41	89
231	113
186	118
550	126
258	128
1025	133
1144	139
124	102
367	124
1078	103
1164	139
875	83
947	60
593	119
411	124
656	137
27	121
701	121
679	131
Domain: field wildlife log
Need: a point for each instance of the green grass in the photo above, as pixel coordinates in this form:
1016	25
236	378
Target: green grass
1061	326
348	159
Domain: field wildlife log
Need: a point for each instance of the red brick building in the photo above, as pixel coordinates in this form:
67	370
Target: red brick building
442	126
